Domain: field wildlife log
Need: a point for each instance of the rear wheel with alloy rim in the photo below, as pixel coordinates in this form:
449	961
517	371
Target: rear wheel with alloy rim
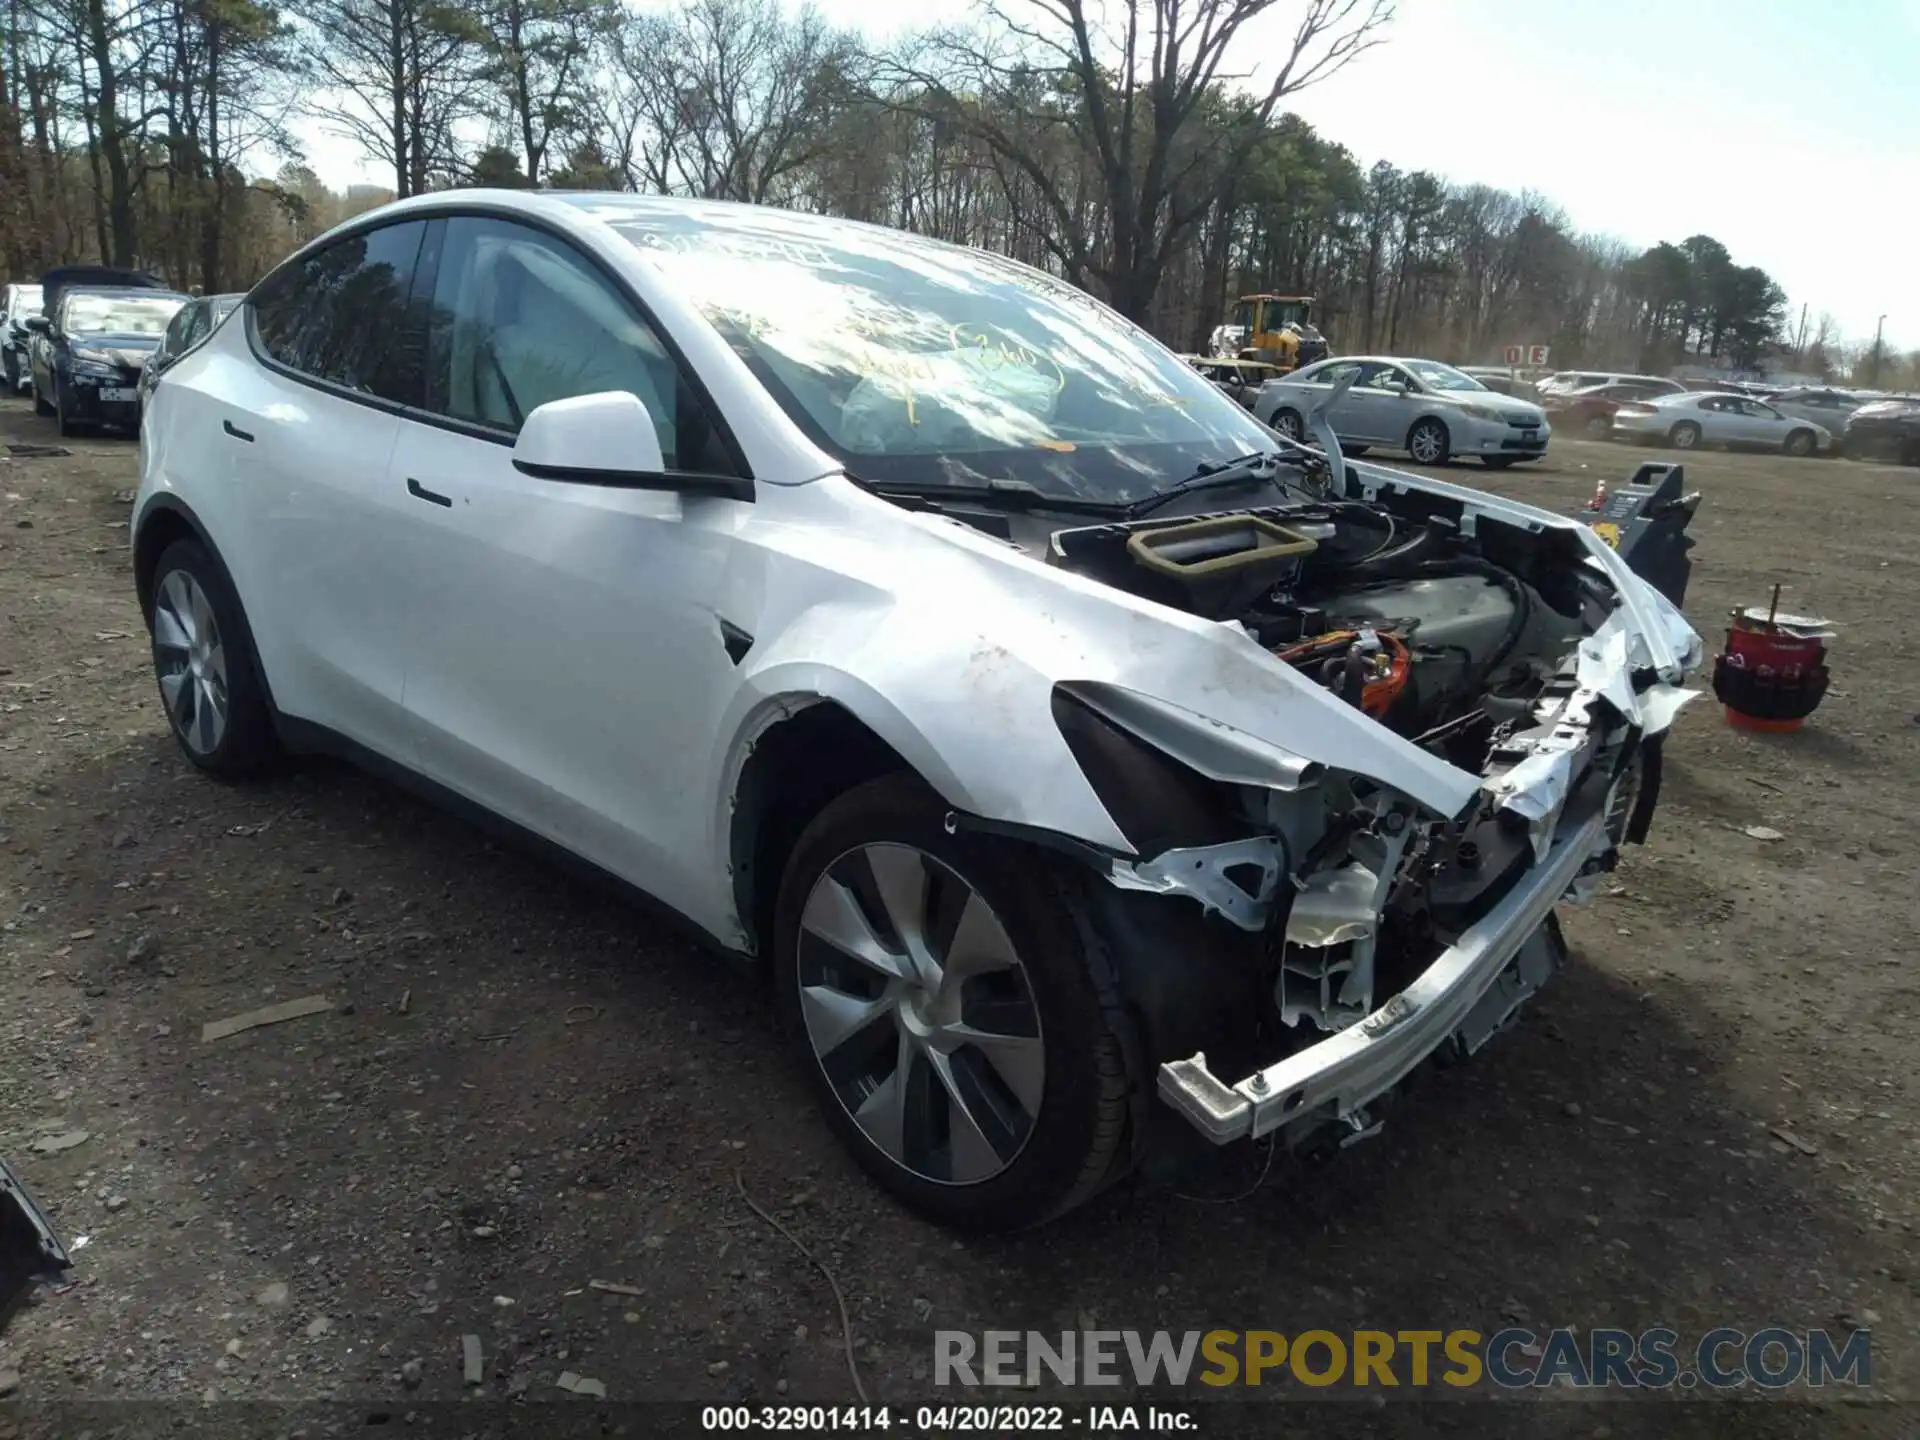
1800	442
950	1023
1289	424
1685	436
203	660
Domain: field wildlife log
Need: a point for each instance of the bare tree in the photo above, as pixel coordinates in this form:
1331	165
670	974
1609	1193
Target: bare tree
403	72
733	94
538	53
1133	78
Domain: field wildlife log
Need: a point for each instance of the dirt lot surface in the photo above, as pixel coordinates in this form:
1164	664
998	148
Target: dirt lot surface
521	1085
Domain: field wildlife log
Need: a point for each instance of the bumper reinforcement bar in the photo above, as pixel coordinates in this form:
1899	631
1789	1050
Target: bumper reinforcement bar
1334	1078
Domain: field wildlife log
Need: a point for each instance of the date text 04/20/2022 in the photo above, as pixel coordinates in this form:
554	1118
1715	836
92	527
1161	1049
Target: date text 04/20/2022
944	1419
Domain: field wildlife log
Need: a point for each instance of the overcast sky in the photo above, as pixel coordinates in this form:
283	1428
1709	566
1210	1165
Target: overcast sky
1789	130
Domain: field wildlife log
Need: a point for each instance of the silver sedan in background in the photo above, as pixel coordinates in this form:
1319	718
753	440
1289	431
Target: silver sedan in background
1738	422
1825	407
1432	411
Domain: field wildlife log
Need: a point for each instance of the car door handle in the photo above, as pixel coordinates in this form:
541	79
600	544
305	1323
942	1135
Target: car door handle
420	492
235	431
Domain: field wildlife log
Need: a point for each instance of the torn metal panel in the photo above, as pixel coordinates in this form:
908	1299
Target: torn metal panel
1206	874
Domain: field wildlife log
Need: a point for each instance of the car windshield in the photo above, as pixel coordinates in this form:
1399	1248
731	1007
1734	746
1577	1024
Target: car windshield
919	363
1436	376
27	300
120	314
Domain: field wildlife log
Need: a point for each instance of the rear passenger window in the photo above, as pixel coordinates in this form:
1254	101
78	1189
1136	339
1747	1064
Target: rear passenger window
340	315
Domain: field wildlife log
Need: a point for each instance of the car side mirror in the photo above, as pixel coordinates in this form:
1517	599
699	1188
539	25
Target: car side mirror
39	324
608	439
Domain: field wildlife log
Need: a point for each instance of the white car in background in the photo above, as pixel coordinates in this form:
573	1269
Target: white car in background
1432	411
1738	422
907	620
17	303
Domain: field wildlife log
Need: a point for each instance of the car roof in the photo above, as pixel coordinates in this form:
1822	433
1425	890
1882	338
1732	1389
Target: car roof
570	207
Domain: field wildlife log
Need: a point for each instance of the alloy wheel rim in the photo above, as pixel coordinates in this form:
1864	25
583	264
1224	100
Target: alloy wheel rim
1290	426
1426	445
191	662
1683	438
920	1014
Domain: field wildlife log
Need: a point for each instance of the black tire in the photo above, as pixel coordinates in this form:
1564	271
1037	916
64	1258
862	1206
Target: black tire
247	743
1684	436
1078	1141
1356	451
61	423
1289	423
1598	427
1501	462
1429	436
1798	442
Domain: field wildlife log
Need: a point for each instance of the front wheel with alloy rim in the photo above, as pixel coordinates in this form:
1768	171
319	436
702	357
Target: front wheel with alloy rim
1684	436
949	1020
203	659
1428	442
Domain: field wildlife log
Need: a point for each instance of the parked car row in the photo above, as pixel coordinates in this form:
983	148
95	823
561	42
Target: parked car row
89	341
1570	382
1805	420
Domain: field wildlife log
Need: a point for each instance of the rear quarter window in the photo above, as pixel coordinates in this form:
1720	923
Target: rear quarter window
341	314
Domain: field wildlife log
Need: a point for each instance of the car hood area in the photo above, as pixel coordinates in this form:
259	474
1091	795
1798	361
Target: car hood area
1393	636
1507	406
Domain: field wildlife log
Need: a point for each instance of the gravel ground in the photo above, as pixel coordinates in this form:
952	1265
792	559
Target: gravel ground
521	1085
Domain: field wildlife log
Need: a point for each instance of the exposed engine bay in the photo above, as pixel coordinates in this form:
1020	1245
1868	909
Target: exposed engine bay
1347	930
1407	619
1474	638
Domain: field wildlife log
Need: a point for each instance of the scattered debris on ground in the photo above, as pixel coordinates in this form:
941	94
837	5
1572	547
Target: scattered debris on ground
265	1015
343	1168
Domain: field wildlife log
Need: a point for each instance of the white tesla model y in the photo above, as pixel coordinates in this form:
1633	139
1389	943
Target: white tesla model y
908	620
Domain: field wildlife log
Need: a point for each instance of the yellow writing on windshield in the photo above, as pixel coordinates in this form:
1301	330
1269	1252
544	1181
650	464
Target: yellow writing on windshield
997	348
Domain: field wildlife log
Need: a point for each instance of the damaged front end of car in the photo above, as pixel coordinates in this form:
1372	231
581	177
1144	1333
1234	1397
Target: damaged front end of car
1295	935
